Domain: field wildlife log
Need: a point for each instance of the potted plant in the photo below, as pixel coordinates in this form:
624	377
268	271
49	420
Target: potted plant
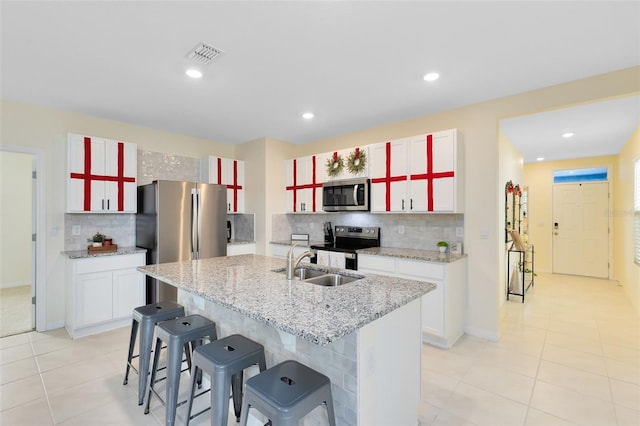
97	239
442	246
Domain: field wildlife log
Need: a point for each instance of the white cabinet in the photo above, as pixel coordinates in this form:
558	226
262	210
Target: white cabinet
101	175
236	249
443	309
419	174
229	172
281	250
303	178
102	292
388	170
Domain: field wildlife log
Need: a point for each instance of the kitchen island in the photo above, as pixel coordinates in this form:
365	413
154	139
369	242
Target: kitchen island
364	335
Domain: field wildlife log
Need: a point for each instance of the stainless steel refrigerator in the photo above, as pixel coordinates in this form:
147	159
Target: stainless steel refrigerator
179	221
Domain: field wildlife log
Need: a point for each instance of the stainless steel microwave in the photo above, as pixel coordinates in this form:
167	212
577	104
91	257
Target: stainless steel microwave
345	195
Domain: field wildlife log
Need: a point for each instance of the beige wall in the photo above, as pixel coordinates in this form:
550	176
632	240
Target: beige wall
15	219
46	129
627	272
510	169
539	178
483	183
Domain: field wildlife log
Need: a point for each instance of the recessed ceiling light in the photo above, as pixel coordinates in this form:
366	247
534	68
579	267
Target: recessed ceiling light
307	115
567	135
432	76
540	159
193	73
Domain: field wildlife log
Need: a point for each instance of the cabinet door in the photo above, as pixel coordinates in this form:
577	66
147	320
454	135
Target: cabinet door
388	169
291	196
128	292
94	298
85	159
233	177
121	166
445	171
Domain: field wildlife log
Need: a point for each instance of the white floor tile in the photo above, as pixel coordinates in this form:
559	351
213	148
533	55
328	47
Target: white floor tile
627	416
540	418
572	406
582	382
625	394
21	392
35	413
18	370
502	382
15	353
576	359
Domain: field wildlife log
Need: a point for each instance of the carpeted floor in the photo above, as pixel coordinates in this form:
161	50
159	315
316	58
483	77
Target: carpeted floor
15	310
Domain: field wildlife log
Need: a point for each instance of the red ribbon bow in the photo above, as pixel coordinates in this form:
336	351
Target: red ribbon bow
357	152
335	157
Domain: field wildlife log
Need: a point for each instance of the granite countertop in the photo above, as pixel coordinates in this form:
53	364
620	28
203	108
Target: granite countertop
81	254
414	254
249	285
234	242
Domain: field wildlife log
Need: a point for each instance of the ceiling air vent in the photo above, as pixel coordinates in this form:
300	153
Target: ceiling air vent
203	53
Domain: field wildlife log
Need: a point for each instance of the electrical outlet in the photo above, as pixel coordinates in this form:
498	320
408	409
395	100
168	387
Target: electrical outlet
459	232
401	229
76	230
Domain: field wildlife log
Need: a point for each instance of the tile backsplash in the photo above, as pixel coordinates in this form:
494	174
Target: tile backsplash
420	231
120	227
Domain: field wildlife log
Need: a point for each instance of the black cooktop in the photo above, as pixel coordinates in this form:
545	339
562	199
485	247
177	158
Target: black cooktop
349	239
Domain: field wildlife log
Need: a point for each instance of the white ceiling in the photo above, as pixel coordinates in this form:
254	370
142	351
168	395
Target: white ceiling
355	64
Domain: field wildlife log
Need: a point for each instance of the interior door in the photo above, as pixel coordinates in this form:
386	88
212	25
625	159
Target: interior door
581	229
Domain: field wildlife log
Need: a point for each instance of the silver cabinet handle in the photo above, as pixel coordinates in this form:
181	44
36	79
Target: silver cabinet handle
355	195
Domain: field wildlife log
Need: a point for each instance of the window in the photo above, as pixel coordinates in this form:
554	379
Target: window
636	209
580	175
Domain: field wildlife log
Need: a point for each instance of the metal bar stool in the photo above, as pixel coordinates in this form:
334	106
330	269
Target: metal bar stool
177	333
225	361
286	393
147	317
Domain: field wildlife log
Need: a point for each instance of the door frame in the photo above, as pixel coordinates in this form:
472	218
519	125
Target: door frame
40	260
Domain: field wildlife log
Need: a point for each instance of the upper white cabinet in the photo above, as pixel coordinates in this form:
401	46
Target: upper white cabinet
419	174
229	172
304	177
101	175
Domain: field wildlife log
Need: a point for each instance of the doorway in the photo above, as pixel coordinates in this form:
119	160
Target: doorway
21	276
581	229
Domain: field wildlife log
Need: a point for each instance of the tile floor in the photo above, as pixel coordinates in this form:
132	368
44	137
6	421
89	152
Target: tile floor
569	356
15	310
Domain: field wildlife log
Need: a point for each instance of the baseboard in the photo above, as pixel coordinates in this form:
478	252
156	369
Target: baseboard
15	284
481	333
54	325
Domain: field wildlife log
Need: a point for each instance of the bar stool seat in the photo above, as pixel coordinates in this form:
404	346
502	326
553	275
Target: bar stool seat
147	317
225	361
286	393
177	334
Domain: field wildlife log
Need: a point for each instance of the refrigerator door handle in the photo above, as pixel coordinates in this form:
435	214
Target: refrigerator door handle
199	228
194	223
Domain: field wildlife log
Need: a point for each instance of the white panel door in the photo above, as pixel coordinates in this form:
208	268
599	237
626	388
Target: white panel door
94	298
388	170
128	292
581	229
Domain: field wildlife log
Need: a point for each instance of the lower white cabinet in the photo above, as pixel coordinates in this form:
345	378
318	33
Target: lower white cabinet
443	309
102	292
236	249
281	250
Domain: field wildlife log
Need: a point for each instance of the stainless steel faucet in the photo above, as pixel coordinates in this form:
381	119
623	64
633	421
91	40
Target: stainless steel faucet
293	264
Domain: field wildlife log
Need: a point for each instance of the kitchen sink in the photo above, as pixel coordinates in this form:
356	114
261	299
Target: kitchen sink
320	277
331	280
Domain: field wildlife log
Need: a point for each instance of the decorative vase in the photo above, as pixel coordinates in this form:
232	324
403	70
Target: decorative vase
442	249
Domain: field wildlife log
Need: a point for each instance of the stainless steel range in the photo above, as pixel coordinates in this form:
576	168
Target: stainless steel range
342	252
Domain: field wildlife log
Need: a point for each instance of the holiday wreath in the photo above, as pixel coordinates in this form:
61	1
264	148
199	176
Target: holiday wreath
356	161
334	164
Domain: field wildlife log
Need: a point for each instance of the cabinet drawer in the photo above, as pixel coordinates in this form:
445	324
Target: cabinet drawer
108	263
377	263
422	270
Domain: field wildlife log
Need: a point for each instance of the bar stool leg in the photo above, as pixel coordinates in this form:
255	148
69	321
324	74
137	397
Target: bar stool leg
146	341
236	390
194	374
154	369
132	342
220	398
174	361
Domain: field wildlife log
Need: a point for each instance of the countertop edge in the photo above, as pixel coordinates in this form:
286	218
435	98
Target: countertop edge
85	254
